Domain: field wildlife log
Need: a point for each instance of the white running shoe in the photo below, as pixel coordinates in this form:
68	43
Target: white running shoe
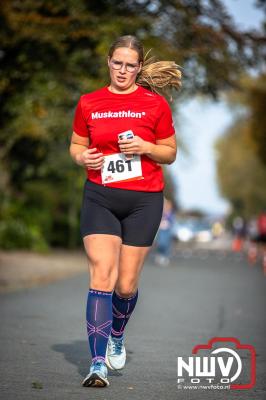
97	377
115	353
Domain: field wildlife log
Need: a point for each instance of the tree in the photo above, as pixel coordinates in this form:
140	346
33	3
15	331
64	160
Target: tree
256	100
250	97
241	175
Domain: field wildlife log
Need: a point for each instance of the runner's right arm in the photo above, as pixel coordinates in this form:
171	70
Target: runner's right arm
83	156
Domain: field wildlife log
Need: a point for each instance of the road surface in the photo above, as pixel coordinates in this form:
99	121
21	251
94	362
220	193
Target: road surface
200	295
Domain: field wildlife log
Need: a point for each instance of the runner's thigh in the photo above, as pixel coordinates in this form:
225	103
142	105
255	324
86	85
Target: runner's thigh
96	217
141	225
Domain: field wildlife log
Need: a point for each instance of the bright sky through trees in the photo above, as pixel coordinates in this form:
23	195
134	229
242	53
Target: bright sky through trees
201	122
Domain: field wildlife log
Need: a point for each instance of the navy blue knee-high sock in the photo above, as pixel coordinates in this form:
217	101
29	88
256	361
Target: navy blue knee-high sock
99	322
122	309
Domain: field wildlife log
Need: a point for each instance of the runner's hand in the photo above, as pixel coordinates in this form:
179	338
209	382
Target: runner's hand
92	160
133	146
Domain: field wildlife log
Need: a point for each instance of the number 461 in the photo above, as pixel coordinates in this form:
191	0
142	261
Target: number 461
119	166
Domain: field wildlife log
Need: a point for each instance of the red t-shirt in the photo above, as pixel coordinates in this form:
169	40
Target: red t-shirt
102	115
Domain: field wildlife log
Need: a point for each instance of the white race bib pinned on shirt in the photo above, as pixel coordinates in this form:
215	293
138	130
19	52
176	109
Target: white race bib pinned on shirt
117	168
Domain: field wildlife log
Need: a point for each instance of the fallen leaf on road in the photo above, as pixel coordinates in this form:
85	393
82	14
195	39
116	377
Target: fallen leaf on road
36	385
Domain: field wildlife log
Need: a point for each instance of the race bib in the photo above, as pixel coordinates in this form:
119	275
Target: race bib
117	168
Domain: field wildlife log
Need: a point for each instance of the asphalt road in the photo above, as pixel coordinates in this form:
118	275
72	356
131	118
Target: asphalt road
44	350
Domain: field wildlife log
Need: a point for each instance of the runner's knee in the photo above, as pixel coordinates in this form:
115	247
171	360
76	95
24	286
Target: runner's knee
102	280
126	289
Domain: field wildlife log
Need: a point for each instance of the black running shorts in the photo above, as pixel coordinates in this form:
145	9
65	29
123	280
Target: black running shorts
133	215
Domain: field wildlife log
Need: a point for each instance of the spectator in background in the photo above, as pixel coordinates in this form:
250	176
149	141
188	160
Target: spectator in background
239	227
257	243
252	229
261	226
165	234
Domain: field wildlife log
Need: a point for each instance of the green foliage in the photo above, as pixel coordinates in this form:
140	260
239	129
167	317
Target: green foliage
256	100
241	163
241	174
51	53
251	96
21	227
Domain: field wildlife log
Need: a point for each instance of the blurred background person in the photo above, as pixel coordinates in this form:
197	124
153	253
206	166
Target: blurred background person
165	234
257	240
239	233
262	227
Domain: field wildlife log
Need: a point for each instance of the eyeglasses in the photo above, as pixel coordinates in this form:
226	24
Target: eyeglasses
118	65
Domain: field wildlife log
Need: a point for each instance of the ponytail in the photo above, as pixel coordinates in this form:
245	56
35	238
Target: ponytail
160	76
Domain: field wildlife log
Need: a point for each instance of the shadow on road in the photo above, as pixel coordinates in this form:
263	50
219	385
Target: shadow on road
76	353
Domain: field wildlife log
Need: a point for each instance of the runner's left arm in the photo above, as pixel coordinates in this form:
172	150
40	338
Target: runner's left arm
163	151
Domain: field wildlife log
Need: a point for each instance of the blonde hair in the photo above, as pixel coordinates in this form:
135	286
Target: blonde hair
158	76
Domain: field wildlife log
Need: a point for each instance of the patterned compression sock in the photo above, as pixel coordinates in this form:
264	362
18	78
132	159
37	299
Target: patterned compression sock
99	322
122	309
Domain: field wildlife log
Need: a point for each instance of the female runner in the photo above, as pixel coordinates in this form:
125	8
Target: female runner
123	194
